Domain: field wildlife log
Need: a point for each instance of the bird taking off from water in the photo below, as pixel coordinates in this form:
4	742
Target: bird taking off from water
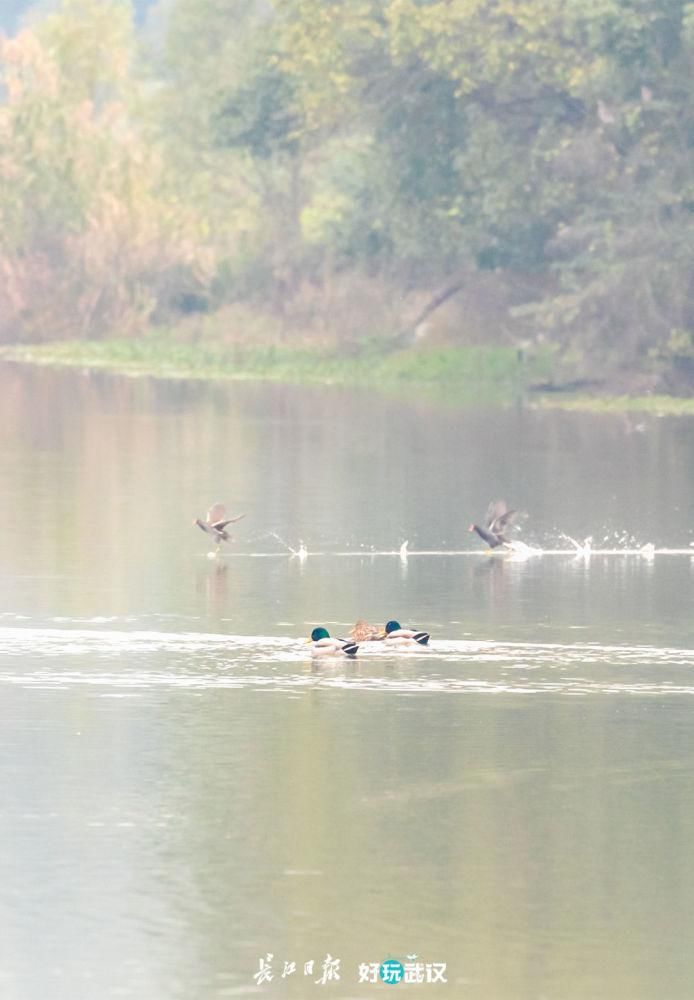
216	521
497	522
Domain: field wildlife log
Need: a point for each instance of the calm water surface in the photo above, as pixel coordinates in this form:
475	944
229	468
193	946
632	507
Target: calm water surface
182	791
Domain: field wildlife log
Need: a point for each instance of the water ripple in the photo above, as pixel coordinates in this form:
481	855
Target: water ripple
56	658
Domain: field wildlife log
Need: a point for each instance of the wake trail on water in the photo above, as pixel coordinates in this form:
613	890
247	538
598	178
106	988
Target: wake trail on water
121	663
515	551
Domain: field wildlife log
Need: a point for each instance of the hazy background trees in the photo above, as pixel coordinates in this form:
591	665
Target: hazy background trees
337	168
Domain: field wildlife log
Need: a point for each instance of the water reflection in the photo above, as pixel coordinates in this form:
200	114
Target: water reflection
184	790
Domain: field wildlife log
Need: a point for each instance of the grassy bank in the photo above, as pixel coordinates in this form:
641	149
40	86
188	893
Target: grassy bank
658	405
453	374
493	373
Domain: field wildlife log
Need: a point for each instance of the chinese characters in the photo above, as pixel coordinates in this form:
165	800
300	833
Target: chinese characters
391	971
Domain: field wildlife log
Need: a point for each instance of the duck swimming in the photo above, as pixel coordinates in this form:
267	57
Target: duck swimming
497	521
363	632
216	521
322	644
394	635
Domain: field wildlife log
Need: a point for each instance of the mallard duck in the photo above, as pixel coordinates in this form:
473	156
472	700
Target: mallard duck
216	521
394	634
497	521
363	632
323	645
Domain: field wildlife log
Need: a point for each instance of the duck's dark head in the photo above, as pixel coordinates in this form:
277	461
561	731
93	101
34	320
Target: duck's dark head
392	626
319	633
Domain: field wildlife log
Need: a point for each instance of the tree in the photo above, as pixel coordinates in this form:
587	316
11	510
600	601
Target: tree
85	235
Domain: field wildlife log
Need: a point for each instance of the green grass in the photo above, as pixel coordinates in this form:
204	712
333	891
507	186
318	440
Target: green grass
452	375
455	374
657	405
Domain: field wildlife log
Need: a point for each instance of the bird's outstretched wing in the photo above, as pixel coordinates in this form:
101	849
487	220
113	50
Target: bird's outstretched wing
220	525
506	521
500	519
496	510
216	513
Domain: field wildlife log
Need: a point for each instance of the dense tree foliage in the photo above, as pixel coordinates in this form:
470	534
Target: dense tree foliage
296	155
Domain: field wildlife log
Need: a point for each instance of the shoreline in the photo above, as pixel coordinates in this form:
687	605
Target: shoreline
463	375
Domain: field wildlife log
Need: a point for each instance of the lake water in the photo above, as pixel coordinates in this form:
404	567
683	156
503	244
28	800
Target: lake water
183	791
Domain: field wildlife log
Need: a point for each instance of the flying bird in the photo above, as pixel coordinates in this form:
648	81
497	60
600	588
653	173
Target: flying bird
216	521
497	522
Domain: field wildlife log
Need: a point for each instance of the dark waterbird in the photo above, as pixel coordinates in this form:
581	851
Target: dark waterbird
216	521
498	520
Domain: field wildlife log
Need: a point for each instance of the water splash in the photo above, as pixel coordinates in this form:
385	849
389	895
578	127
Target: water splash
514	550
301	553
518	551
582	549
